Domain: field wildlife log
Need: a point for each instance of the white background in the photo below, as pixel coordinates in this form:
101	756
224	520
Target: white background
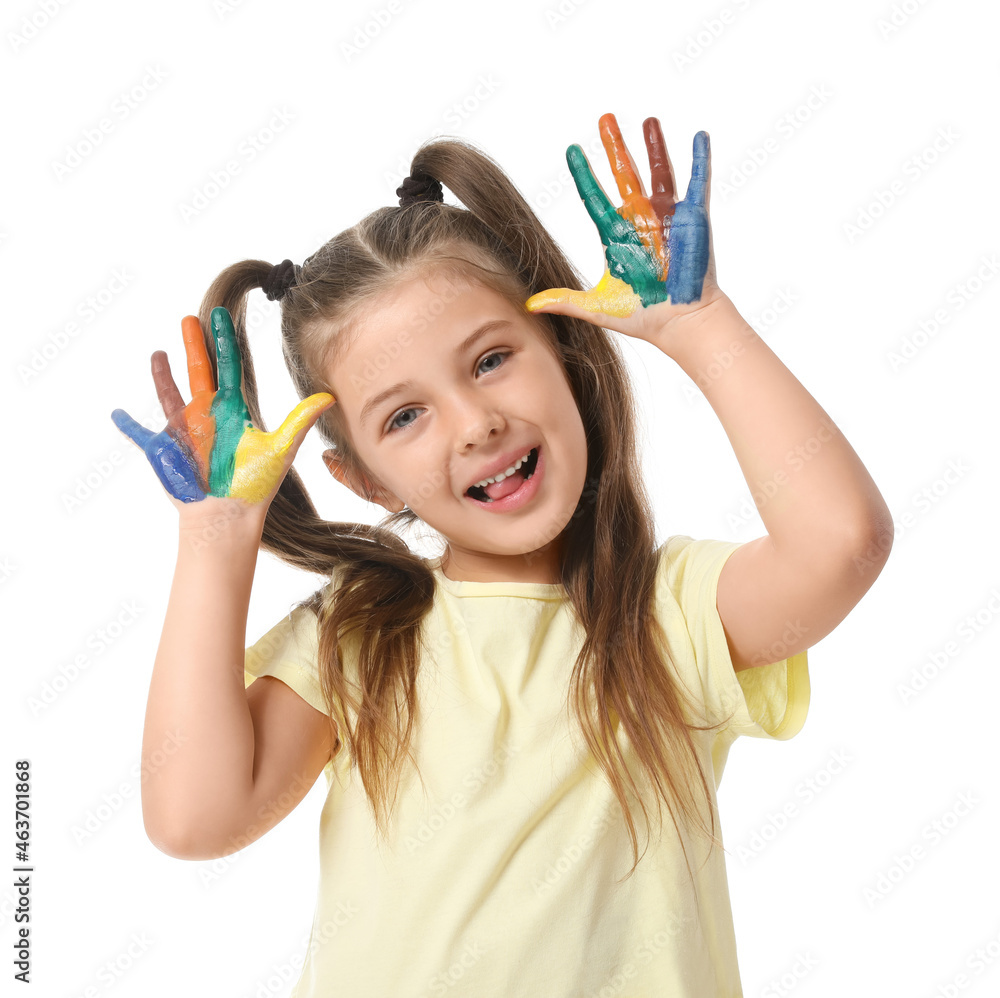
523	82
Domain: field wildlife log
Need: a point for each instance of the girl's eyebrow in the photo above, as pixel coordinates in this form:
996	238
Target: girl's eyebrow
404	386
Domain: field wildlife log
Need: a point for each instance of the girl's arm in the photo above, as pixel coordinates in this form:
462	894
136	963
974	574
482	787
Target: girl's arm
222	763
829	530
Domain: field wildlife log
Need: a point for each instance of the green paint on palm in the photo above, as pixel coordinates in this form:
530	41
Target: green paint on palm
627	257
228	408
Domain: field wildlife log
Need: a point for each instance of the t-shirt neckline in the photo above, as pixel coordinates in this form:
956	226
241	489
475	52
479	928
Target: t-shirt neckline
527	590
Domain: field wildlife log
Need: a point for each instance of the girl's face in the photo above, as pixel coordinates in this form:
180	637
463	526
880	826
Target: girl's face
481	388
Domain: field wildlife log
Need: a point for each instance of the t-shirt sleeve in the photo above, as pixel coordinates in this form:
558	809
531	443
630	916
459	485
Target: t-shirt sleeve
289	652
765	701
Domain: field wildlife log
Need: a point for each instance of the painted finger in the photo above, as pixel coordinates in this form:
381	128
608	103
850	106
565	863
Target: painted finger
229	409
201	378
226	351
690	245
610	224
701	171
136	432
166	388
166	457
198	418
262	459
610	296
661	171
300	418
179	419
636	208
622	164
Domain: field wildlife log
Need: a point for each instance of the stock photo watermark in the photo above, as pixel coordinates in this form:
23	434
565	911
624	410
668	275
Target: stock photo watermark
956	298
932	834
576	850
93	136
32	25
371	28
111	804
87	311
886	195
252	145
712	29
795	460
759	322
977	962
785	983
898	16
472	782
924	501
778	819
939	661
786	127
96	643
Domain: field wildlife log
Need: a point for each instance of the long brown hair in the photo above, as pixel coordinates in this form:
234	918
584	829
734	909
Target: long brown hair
608	550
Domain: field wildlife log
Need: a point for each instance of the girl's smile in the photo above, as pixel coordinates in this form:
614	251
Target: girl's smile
445	385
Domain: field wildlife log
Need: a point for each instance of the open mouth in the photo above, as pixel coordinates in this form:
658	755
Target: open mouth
527	469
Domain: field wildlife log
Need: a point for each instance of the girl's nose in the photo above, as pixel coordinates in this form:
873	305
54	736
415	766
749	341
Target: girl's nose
475	419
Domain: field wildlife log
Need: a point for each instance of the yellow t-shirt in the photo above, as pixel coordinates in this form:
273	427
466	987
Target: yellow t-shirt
498	880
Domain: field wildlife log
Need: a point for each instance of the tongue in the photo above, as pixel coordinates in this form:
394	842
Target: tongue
497	490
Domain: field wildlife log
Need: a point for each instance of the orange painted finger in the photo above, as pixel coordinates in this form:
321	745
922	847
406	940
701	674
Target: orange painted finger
636	207
622	164
200	375
198	416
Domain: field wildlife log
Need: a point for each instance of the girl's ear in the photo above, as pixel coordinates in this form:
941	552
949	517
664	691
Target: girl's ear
363	488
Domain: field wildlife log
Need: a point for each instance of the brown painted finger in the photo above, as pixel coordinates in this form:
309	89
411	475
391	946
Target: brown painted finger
166	388
661	172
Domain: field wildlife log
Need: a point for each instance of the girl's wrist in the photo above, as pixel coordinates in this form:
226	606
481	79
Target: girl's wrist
684	335
220	522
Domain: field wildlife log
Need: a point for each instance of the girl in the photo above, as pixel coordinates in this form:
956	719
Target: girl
497	725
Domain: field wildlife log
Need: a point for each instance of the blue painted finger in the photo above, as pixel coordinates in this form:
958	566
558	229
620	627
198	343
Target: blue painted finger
168	459
174	469
688	249
698	184
136	432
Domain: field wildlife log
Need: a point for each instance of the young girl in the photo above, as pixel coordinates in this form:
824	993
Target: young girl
499	726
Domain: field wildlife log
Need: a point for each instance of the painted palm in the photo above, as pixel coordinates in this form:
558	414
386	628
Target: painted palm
656	248
209	447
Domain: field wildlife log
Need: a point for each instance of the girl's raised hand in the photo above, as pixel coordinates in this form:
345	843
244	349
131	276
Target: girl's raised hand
658	251
209	447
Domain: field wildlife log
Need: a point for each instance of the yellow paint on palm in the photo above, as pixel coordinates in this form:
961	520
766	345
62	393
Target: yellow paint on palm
258	466
610	296
261	458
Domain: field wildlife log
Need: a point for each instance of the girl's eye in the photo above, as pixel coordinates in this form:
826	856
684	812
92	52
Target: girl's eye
395	425
496	353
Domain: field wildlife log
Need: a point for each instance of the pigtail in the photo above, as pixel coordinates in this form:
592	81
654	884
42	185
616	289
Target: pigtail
487	192
381	615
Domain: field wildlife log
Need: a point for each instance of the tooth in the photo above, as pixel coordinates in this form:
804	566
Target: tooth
504	474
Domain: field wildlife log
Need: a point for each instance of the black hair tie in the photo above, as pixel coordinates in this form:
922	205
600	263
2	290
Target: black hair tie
419	187
279	280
